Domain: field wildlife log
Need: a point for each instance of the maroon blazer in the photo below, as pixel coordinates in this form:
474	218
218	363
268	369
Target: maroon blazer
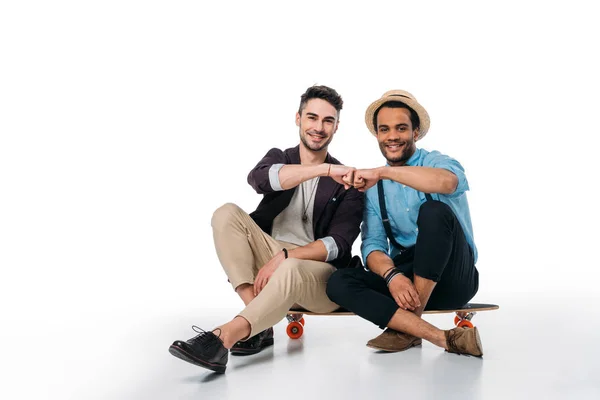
337	212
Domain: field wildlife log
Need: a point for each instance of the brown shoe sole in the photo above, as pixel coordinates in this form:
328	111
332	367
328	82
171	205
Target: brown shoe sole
413	344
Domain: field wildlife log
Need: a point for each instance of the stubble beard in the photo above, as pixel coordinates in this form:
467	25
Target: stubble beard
314	147
401	159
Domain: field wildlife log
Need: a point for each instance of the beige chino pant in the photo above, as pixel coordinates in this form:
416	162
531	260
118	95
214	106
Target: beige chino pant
243	248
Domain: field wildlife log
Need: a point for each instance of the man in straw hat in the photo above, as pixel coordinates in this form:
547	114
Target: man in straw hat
283	253
418	202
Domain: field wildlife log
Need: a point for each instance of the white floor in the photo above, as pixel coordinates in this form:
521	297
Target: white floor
534	348
119	137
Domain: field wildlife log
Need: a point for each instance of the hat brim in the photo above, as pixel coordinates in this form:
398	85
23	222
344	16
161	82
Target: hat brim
413	104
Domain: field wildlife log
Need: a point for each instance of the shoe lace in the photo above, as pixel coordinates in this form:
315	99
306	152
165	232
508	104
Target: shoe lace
452	336
205	338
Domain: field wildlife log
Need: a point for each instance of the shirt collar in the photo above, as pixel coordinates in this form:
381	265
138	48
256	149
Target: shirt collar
413	159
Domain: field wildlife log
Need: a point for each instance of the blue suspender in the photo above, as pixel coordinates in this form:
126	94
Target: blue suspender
385	218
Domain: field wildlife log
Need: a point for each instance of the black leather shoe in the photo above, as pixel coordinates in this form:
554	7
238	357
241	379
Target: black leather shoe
204	350
253	345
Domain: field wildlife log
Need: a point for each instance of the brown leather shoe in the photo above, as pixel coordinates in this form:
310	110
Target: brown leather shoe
391	340
464	341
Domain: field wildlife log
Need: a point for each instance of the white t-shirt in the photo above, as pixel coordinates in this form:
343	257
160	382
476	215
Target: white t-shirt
290	226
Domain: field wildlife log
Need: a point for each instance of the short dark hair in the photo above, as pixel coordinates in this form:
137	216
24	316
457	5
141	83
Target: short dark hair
414	117
321	92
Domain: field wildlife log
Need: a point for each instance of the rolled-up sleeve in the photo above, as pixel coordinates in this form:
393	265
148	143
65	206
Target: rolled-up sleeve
274	176
436	159
373	234
266	173
331	246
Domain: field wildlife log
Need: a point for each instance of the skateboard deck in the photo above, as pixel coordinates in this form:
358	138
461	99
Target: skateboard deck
463	317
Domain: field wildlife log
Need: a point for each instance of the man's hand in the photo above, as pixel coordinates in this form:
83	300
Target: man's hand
366	178
342	175
264	274
404	293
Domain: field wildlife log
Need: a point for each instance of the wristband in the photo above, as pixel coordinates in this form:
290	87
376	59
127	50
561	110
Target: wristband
385	273
392	275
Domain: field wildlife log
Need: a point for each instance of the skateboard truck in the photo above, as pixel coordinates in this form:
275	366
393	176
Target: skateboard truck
463	319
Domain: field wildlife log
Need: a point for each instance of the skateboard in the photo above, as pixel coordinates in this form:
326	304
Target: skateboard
462	319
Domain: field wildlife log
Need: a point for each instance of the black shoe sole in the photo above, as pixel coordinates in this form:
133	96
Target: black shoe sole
240	351
182	355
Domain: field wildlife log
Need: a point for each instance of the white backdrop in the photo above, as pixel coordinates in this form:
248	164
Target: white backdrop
124	124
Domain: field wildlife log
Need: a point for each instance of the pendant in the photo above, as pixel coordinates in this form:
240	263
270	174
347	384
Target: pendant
304	218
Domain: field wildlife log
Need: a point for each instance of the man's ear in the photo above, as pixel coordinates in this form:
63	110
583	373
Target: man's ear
416	134
297	119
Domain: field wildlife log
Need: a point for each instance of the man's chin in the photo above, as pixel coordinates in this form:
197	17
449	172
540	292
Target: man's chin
316	146
395	160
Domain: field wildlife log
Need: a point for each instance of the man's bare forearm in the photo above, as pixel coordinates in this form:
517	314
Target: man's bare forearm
423	179
379	262
291	175
313	251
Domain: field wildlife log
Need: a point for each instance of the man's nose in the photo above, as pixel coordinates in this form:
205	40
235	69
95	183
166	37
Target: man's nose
319	126
394	134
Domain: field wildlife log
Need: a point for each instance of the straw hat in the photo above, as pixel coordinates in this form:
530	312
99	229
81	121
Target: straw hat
403	97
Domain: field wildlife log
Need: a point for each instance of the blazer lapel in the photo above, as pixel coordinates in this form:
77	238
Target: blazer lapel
294	155
325	191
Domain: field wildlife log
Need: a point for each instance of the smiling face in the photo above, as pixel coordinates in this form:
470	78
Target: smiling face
318	123
395	135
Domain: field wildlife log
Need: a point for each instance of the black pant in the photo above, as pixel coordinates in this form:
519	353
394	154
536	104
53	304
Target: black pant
441	254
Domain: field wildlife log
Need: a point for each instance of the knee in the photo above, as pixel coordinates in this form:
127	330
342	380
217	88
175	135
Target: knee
289	268
434	211
223	215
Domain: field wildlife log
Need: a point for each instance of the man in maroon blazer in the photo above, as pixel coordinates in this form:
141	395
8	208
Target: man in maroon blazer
283	253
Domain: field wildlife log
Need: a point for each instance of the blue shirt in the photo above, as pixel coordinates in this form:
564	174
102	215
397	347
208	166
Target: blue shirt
403	202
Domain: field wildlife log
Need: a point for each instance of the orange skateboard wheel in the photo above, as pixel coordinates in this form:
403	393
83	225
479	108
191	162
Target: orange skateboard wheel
302	321
465	324
294	330
457	320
